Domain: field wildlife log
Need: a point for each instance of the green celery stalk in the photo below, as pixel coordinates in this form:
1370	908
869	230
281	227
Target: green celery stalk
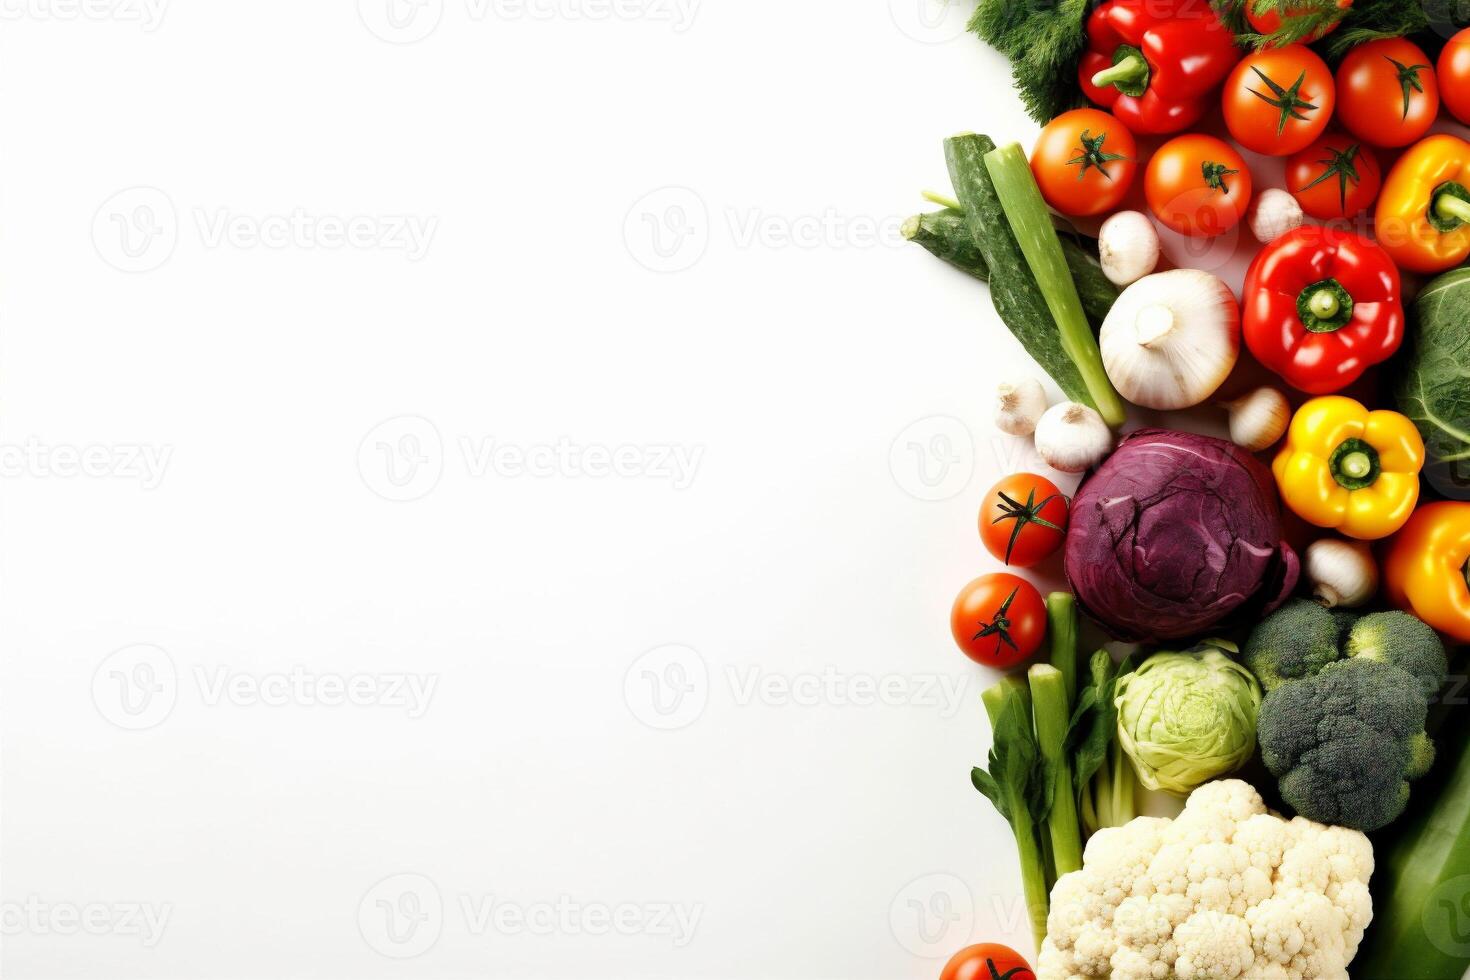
1012	786
1031	222
1061	631
1049	699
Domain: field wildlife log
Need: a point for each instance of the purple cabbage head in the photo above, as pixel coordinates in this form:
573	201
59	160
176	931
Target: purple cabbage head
1174	534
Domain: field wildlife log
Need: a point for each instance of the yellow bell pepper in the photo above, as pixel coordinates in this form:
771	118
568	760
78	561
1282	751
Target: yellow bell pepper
1423	216
1345	467
1425	569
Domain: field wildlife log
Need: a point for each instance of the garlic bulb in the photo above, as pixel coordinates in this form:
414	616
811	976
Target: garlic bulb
1272	214
1072	437
1128	247
1018	406
1342	573
1258	418
1171	339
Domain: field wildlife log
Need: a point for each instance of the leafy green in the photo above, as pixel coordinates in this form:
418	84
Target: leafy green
1434	383
1044	41
1017	784
1364	21
1102	775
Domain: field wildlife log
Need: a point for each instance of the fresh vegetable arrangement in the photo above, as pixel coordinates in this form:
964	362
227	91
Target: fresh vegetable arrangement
1299	589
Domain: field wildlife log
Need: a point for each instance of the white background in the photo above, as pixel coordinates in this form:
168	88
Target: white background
246	461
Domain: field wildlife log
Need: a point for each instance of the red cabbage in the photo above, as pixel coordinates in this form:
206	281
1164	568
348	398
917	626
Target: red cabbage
1174	534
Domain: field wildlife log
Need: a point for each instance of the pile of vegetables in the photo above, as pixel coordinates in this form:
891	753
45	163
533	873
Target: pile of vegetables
1271	616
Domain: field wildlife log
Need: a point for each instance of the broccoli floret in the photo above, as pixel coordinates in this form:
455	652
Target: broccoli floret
1403	641
1345	742
1295	641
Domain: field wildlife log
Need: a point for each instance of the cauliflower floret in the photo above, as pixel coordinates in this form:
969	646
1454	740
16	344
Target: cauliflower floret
1255	888
1076	900
1324	948
1212	946
1304	866
1168	871
1129	964
1265	838
1094	949
1215	872
1349	854
1276	932
1233	798
1055	963
1354	906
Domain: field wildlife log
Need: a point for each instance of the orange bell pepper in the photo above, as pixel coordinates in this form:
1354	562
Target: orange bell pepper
1423	217
1426	566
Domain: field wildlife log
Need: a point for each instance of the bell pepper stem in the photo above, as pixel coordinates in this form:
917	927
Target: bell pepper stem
1451	208
1130	69
1324	304
1356	465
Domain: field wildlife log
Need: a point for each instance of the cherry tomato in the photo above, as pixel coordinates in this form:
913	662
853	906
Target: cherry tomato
1023	519
1270	21
1387	93
1197	185
1335	177
1454	76
1279	100
998	620
987	961
1085	161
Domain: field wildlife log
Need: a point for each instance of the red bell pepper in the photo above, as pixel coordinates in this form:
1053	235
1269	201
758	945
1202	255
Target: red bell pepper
1154	63
1321	307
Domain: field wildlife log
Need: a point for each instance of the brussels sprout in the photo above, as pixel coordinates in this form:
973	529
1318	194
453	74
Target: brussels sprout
1186	718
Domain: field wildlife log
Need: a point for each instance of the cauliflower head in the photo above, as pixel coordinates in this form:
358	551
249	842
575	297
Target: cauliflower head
1226	890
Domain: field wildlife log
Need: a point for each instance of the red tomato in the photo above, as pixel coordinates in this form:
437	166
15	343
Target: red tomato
1085	161
998	620
1335	177
1387	93
1197	185
1454	76
987	961
1023	519
1270	21
1279	100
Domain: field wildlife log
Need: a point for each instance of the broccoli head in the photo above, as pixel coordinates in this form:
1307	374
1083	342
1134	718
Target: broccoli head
1342	725
1403	641
1297	640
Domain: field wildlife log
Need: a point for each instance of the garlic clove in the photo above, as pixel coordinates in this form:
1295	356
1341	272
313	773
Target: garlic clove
1128	247
1018	406
1072	437
1272	214
1342	572
1258	418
